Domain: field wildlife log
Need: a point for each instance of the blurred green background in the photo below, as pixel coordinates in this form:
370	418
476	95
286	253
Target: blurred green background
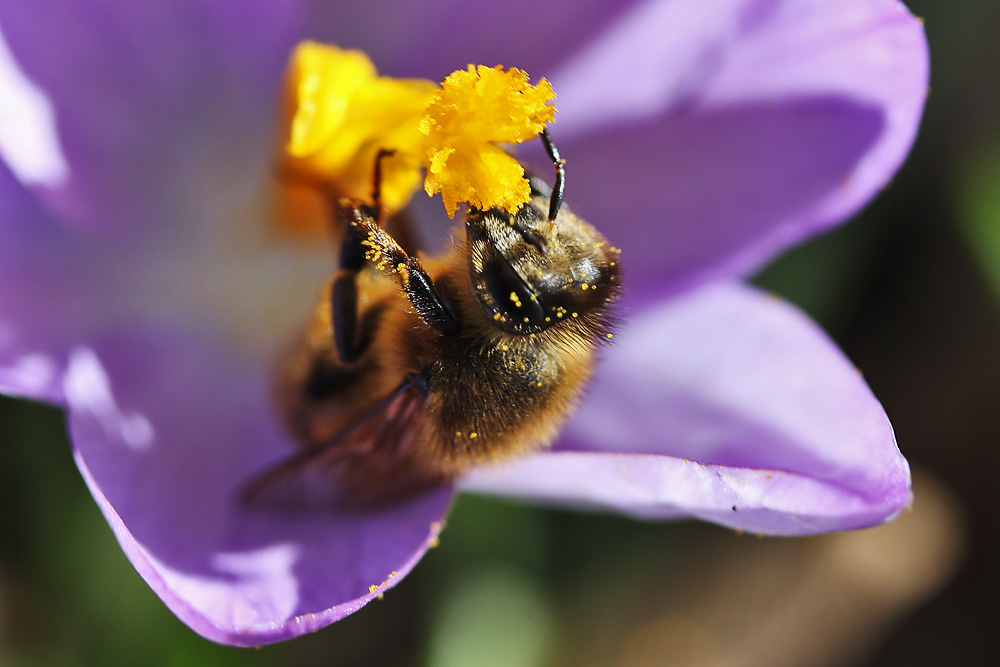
911	290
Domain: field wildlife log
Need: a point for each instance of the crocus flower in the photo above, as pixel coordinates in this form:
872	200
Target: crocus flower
144	291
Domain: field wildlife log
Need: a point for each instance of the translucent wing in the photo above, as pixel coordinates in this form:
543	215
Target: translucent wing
373	461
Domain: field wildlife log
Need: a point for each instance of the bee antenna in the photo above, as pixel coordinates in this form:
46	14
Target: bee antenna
555	202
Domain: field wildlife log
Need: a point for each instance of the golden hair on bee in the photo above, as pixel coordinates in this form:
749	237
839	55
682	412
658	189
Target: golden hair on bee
414	369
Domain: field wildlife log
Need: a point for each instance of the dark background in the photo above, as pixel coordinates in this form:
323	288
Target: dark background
910	290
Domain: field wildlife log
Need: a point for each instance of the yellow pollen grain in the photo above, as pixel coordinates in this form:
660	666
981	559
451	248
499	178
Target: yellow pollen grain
372	588
585	287
473	435
611	335
497	316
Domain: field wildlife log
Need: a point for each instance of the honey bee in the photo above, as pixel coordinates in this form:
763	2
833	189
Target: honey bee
414	371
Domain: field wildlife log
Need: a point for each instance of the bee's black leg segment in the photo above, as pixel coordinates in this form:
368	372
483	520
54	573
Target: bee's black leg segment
555	202
344	290
423	295
344	314
344	295
352	252
385	253
377	180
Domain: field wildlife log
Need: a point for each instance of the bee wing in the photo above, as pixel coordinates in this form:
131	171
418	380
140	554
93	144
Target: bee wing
369	462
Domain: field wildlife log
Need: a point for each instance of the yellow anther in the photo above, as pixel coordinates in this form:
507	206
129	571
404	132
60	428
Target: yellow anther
475	110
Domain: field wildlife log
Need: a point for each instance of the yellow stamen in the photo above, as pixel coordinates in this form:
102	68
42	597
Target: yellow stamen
341	114
475	110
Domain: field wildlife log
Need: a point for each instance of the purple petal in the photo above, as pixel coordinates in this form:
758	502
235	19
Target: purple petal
726	405
144	96
432	39
167	430
724	132
35	297
223	272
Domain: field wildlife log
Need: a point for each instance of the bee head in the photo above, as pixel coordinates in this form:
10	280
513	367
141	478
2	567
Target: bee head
529	273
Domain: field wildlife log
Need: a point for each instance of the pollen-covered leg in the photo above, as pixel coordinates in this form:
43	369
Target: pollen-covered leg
344	290
386	255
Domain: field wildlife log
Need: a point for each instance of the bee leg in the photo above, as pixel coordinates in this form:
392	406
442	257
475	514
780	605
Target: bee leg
344	291
389	257
556	197
344	296
400	223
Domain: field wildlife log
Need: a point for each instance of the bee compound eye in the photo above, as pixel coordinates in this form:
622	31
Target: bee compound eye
506	298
